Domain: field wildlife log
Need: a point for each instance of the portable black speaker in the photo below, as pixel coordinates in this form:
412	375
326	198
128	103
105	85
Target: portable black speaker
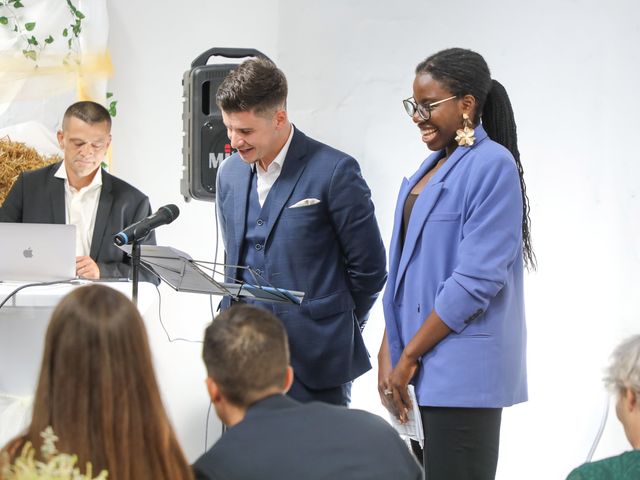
205	142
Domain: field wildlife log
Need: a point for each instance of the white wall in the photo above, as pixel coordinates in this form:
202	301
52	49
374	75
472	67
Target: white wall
571	69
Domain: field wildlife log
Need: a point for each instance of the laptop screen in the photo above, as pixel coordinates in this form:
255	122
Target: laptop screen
38	252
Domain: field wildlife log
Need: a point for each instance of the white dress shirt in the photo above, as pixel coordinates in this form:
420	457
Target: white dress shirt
81	207
267	178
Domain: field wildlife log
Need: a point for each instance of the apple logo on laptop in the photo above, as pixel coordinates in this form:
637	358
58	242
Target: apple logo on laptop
28	253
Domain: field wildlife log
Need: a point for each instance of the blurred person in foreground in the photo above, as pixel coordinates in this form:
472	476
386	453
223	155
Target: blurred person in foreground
271	435
623	379
98	391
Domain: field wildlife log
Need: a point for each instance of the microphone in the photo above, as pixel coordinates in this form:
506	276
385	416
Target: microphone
141	229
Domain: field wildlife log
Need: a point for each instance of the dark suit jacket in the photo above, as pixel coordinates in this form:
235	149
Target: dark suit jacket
37	196
282	439
331	250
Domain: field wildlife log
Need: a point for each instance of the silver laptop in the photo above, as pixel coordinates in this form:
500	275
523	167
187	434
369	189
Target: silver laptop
38	252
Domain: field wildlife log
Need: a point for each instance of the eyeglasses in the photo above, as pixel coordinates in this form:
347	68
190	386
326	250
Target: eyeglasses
411	107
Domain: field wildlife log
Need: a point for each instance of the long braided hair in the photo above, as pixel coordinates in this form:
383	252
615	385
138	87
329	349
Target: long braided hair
465	72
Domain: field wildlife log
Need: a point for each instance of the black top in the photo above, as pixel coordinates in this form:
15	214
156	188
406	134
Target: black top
406	216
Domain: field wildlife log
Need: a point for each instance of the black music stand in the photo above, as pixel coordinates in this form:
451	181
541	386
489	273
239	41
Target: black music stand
178	270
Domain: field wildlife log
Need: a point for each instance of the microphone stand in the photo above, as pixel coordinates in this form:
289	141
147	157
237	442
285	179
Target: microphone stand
135	268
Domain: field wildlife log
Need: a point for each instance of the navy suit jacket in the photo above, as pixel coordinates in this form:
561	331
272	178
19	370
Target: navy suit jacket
331	250
282	439
37	196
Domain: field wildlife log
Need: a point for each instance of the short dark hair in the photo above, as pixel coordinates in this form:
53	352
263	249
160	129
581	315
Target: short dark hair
255	85
87	111
246	352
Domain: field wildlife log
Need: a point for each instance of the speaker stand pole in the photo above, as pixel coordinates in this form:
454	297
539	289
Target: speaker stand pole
135	262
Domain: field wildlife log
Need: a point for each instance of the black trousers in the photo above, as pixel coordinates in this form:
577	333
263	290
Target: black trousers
461	443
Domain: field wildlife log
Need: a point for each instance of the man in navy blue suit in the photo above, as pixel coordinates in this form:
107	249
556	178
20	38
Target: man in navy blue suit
300	215
247	359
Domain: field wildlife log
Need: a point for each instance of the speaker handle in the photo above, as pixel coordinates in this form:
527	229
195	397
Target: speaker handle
226	52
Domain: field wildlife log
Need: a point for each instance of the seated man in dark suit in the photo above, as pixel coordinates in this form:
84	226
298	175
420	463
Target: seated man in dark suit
272	436
77	191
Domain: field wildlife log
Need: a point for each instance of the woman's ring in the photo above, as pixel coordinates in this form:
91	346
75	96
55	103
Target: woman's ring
388	391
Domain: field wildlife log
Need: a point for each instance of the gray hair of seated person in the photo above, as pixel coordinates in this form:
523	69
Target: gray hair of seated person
624	370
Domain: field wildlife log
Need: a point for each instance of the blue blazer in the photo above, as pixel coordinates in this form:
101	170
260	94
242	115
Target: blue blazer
331	250
462	256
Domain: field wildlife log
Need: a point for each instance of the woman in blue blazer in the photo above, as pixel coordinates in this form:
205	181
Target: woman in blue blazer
453	304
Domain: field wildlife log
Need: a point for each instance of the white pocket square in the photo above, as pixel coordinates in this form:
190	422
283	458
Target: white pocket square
305	203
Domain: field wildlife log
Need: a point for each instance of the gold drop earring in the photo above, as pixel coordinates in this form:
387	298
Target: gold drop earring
465	135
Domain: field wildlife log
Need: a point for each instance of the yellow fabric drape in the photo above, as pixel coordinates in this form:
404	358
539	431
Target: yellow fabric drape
53	74
60	72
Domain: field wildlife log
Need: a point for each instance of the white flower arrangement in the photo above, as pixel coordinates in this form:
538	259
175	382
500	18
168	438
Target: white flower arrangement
57	466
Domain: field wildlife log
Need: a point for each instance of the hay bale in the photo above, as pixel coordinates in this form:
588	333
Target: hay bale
16	157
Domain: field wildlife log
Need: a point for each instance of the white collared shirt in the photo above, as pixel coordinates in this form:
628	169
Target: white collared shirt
267	178
81	207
